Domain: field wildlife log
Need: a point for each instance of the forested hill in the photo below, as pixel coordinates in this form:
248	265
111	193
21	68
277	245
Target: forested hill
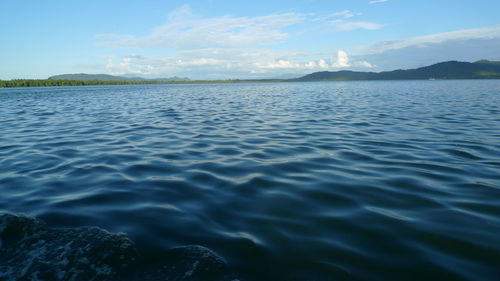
482	69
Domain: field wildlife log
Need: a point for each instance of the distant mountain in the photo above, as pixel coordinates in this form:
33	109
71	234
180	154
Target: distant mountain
93	77
107	77
170	79
482	69
488	62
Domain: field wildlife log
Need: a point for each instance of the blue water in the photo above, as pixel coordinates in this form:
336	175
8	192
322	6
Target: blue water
396	180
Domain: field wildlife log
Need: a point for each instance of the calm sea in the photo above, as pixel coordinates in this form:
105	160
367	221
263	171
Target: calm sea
394	180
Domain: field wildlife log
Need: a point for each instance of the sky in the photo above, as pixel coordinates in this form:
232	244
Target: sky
212	39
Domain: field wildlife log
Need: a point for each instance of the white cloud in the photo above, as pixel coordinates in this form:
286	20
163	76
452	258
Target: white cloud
345	14
423	41
184	31
342	25
339	21
221	47
213	63
182	13
282	64
220	63
322	64
377	1
364	64
311	64
342	60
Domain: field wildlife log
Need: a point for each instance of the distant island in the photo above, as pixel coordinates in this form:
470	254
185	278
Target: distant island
483	69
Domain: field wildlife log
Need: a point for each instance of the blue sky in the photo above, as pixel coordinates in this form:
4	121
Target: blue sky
212	39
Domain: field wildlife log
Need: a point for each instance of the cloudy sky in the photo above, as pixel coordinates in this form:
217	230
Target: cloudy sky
212	39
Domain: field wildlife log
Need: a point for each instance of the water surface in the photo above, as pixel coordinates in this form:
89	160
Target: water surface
395	180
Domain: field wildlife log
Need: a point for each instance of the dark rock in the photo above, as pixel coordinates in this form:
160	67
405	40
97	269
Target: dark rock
31	251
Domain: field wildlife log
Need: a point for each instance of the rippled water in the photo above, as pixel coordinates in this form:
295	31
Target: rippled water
290	181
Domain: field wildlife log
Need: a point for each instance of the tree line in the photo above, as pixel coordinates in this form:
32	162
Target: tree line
55	82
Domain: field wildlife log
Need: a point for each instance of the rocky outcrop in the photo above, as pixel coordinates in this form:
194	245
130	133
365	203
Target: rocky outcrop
31	251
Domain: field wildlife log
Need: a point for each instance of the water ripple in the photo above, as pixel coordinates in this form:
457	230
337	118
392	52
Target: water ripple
289	181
